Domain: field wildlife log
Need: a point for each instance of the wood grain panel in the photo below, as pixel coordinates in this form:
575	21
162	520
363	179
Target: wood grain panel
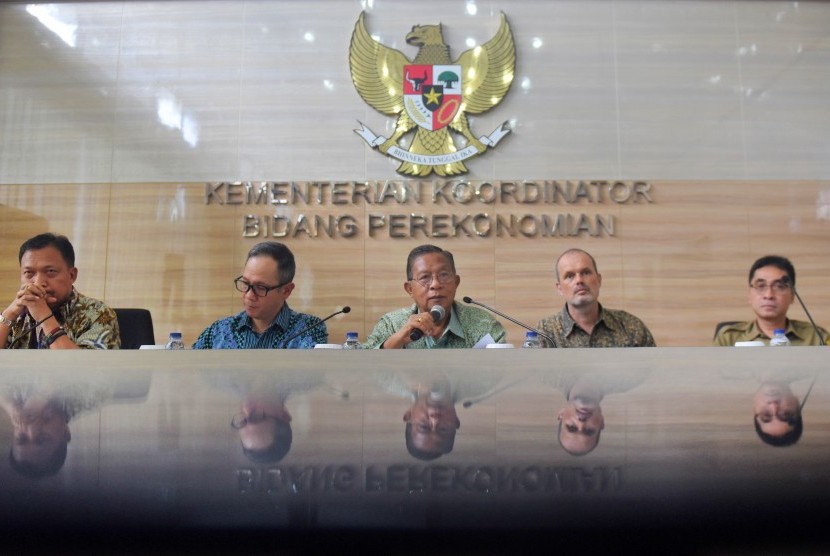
679	263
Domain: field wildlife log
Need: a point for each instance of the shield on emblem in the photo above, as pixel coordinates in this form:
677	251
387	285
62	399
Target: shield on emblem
432	94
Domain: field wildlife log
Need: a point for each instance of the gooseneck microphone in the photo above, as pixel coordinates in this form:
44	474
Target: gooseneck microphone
812	322
437	313
511	319
344	310
30	329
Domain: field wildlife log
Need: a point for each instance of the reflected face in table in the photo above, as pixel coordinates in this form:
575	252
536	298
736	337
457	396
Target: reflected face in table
430	427
264	429
580	424
40	441
776	408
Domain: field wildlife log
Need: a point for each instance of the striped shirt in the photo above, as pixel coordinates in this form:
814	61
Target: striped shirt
237	332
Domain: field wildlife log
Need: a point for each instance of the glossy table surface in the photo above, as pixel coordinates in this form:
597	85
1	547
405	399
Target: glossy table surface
166	442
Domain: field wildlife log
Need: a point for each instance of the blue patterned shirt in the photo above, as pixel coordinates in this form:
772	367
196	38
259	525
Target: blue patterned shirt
237	332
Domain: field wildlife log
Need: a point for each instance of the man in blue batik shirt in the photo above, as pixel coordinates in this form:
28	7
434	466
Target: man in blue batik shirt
267	321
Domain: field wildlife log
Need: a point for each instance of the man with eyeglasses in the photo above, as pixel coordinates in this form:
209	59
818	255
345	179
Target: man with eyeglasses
431	280
267	322
771	283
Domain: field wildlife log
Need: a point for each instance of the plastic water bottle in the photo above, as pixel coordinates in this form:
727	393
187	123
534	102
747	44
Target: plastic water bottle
352	341
779	338
532	340
174	341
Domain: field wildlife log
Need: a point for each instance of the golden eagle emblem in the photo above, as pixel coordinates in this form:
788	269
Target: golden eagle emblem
433	94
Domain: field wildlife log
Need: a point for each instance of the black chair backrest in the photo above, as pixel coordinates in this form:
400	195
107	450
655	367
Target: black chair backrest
722	324
136	328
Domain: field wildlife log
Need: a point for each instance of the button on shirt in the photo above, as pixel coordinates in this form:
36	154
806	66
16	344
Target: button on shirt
237	332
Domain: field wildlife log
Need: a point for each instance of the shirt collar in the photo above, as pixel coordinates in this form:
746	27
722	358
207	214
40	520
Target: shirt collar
568	322
65	308
453	327
280	321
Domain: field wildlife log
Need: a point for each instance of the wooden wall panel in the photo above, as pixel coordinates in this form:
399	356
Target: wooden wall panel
679	263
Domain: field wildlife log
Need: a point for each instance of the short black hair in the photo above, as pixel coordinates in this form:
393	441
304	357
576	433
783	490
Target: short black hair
787	439
420	454
275	451
280	253
422	250
61	243
46	468
777	261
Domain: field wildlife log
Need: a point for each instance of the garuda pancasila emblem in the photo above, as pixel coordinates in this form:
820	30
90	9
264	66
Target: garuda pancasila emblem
433	94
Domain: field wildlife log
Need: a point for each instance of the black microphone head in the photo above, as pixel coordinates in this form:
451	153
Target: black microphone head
345	309
467	299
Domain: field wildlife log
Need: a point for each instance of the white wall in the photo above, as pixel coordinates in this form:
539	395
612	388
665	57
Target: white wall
261	90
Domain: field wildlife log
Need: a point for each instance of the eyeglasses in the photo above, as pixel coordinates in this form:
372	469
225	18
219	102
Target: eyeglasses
443	277
778	286
239	420
259	290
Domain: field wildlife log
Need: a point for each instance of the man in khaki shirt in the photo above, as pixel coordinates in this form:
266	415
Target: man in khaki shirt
771	292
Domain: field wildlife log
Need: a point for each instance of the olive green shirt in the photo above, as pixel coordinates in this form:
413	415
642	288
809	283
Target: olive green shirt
799	332
615	328
466	327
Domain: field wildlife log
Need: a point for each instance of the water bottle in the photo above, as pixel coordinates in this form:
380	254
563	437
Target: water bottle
532	340
352	341
174	341
779	338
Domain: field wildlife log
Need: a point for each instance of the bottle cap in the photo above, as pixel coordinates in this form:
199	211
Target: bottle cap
778	331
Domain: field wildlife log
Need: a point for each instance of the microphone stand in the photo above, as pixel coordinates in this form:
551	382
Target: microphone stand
344	310
514	321
30	329
815	328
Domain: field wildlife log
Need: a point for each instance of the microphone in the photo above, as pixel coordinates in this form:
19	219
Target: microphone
511	319
437	313
29	330
812	322
344	310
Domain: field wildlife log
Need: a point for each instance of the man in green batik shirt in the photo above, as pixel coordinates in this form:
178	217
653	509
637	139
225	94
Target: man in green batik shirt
431	280
47	312
584	322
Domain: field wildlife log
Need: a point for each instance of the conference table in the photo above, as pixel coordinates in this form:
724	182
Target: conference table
456	445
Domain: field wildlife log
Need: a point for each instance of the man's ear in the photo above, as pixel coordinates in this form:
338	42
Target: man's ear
288	288
407	416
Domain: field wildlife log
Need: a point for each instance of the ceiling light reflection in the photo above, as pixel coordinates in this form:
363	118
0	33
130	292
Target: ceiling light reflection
169	111
48	15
